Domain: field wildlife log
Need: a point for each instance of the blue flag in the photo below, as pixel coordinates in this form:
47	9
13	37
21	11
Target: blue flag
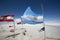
31	18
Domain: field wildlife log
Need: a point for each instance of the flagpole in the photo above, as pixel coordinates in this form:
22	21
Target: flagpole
21	21
14	27
42	9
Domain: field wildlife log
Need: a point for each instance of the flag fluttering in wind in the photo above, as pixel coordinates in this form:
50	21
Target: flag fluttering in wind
10	26
12	30
19	23
31	18
7	18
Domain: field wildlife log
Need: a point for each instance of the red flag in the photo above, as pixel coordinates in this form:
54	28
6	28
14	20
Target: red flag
1	18
12	30
19	23
10	26
7	18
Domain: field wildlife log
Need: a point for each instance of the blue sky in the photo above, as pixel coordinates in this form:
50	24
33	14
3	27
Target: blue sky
18	7
52	10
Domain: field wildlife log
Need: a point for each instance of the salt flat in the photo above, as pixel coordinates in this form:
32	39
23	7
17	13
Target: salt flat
52	31
32	32
27	32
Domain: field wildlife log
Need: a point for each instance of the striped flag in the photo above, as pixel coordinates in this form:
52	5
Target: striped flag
7	18
31	18
18	23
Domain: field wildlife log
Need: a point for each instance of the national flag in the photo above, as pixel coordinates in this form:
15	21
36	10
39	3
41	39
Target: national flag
7	18
12	30
19	23
10	26
1	18
31	18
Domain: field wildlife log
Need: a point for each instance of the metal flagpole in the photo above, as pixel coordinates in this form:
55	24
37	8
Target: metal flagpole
14	27
21	22
42	9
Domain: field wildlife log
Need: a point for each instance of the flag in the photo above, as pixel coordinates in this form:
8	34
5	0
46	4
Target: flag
31	17
10	26
12	30
1	18
7	18
19	23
